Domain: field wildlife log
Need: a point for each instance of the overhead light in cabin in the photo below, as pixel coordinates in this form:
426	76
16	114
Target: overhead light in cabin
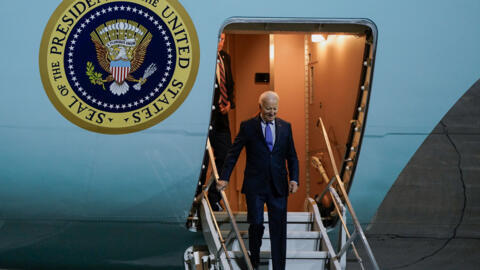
316	38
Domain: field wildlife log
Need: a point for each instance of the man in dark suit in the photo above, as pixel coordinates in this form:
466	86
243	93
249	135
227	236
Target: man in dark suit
269	144
219	134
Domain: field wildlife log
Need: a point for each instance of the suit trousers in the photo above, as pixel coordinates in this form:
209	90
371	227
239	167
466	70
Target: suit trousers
277	223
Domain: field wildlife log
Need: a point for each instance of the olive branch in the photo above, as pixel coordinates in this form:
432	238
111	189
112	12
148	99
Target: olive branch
95	77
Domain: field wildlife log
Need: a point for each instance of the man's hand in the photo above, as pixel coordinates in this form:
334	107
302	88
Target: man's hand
225	109
293	187
221	185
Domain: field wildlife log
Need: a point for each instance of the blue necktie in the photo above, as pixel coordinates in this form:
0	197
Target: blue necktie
268	136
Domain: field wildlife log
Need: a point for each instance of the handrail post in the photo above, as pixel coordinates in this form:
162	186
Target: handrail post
222	241
313	208
227	207
337	202
356	223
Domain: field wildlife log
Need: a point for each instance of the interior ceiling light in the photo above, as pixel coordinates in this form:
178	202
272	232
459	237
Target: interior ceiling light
319	37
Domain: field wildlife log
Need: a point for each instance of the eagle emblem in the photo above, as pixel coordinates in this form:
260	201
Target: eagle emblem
121	46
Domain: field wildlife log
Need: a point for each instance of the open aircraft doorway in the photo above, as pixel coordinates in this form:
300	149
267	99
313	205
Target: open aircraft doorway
322	71
319	69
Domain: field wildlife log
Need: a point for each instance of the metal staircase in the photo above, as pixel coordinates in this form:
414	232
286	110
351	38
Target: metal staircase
308	244
304	241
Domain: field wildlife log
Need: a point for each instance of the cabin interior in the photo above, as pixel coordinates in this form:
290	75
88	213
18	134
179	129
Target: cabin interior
318	71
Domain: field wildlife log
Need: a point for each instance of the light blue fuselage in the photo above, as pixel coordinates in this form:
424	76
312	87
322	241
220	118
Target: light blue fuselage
76	197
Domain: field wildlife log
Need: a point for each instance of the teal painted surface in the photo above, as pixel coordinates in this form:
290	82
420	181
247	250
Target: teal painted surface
52	169
427	57
99	245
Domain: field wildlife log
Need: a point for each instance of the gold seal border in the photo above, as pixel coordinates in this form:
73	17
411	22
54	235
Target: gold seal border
49	88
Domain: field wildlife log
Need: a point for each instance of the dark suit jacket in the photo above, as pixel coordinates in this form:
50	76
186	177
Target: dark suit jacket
262	165
220	121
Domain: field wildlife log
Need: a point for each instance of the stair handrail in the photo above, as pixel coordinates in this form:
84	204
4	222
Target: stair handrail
233	222
317	219
337	202
344	193
220	237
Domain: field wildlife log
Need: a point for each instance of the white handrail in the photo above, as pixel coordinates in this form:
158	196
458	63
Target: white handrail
233	222
344	193
337	202
313	208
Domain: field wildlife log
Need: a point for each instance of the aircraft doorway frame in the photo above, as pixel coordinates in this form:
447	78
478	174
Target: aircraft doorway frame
311	26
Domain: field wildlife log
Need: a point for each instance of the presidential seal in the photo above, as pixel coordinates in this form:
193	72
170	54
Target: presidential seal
118	66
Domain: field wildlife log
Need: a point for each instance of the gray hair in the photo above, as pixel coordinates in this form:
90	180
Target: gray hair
266	95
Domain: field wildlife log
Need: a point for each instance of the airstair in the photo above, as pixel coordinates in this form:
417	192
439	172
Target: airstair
308	243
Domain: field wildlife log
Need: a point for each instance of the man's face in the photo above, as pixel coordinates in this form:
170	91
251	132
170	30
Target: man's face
221	41
269	109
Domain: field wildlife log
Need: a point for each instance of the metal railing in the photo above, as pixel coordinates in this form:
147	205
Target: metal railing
340	208
236	231
318	225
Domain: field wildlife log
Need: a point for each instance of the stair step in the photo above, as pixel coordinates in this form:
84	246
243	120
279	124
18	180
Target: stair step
241	217
290	254
296	240
290	227
305	260
296	221
290	234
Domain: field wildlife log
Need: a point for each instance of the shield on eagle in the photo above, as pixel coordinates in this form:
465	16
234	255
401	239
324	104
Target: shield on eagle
120	70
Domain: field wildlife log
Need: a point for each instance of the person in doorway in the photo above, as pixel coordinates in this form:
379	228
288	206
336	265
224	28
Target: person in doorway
219	134
270	152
